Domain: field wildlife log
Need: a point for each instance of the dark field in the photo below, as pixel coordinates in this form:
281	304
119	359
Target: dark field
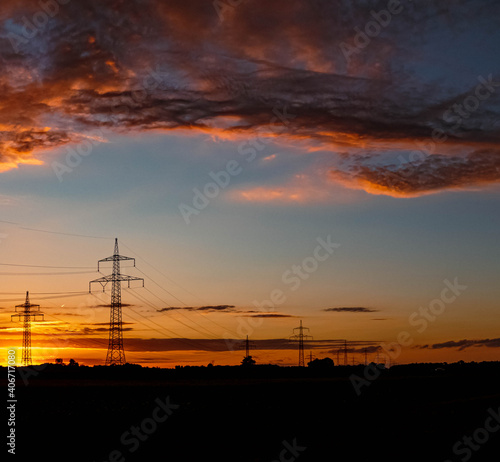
410	413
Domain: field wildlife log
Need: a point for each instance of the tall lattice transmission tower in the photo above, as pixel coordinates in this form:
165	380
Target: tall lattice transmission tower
26	312
300	337
116	352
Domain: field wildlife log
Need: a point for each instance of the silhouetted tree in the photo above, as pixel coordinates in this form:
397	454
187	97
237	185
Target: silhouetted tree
321	363
248	361
73	363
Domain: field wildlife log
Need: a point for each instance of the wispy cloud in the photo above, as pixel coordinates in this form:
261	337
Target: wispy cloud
270	315
351	309
231	309
463	344
209	308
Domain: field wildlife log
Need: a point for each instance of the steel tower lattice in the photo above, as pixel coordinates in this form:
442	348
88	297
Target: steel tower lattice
300	337
27	311
116	352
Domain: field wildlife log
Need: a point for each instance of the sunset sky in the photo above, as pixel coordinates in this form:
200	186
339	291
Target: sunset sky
340	160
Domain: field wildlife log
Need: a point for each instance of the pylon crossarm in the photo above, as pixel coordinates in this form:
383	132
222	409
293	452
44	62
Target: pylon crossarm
23	308
118	277
22	316
103	281
130	278
300	328
114	258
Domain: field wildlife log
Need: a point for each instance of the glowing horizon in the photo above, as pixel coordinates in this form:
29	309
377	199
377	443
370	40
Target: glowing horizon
229	161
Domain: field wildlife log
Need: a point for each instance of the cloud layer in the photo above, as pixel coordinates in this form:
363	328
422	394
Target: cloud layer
351	309
463	344
231	309
185	344
71	73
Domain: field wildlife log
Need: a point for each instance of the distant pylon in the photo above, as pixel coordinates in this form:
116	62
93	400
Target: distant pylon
27	311
300	337
248	345
116	352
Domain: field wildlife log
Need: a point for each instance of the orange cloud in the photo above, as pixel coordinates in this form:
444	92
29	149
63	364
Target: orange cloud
140	67
301	189
432	174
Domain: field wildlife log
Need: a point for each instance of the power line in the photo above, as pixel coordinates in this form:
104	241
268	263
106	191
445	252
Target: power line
184	324
45	298
144	300
101	345
63	234
38	230
178	336
172	295
45	266
178	299
47	274
164	329
42	293
163	274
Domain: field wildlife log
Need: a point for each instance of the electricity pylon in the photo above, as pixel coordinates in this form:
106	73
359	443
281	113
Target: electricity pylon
248	345
116	352
26	312
248	360
300	337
